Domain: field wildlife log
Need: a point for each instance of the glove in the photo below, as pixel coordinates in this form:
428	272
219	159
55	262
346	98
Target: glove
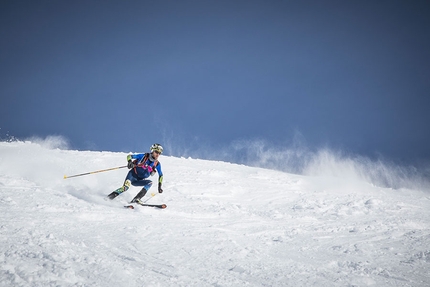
160	190
131	164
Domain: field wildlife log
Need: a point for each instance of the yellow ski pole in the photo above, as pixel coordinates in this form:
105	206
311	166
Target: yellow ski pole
94	172
152	195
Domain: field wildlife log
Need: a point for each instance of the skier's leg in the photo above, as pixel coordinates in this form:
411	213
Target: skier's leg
128	181
146	186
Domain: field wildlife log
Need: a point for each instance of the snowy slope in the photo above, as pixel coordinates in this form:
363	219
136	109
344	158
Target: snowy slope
225	225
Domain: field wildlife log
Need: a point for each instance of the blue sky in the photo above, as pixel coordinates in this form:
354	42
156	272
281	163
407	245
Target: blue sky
121	75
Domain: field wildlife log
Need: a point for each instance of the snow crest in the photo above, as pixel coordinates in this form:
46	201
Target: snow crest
225	225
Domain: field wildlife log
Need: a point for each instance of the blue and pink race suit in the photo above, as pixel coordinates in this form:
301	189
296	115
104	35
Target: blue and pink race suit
145	168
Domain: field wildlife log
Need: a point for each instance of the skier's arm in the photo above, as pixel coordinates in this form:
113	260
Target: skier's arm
160	177
133	159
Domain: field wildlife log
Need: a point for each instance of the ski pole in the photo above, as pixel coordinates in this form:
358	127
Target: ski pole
152	195
94	172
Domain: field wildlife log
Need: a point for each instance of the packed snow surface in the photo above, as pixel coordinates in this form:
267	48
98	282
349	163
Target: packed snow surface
224	225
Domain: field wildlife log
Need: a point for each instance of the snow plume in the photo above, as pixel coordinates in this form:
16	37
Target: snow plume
326	162
51	142
379	172
296	157
6	137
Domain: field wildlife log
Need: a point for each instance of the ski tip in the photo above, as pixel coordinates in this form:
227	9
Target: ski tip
163	206
129	206
65	176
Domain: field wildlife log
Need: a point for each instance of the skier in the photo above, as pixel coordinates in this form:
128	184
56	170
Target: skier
141	167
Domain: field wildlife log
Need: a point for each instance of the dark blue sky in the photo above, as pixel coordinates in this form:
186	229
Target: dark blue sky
120	75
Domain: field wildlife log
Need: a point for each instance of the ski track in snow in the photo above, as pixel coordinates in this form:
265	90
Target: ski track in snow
225	225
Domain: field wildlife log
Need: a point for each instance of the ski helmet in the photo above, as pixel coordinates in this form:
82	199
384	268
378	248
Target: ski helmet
157	147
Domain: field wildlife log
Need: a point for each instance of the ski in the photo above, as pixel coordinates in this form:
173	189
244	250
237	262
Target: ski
162	206
153	205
